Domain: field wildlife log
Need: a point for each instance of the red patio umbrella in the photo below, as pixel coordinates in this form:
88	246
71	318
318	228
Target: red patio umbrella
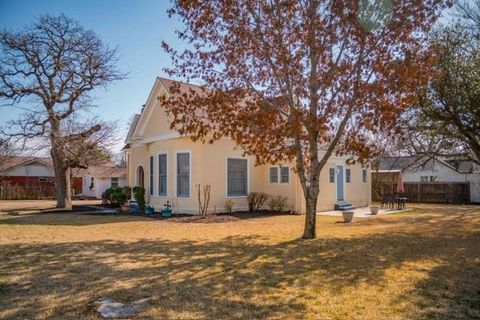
400	185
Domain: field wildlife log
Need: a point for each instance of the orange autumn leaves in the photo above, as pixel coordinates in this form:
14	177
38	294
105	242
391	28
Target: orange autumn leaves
298	80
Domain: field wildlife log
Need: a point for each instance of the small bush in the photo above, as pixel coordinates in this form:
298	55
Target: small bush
229	206
139	195
118	198
278	203
107	193
256	200
114	196
128	192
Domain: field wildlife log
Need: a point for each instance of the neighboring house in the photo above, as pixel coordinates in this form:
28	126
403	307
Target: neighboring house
170	167
35	175
97	179
423	168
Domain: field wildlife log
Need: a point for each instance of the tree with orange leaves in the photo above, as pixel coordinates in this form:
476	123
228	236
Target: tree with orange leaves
299	80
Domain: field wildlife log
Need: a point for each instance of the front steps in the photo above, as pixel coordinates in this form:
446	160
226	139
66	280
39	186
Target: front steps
343	206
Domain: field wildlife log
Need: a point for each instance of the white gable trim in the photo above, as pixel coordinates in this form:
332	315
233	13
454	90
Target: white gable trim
437	162
161	137
148	109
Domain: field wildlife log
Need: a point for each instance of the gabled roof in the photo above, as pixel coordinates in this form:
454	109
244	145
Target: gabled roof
103	172
15	161
462	165
165	84
97	171
133	125
184	87
396	164
401	163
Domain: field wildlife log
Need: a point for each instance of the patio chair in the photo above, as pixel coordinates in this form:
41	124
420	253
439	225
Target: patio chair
387	201
401	202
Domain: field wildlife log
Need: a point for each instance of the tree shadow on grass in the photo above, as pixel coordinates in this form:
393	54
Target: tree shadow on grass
237	277
69	219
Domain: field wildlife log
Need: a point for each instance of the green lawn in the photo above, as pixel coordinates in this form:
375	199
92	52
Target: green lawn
424	264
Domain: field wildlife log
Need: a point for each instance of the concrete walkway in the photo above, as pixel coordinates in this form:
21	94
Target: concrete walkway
360	212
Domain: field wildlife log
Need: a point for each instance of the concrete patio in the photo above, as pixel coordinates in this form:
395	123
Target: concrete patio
361	212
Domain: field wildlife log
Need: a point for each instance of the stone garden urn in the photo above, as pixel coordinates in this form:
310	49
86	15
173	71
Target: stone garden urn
347	216
374	210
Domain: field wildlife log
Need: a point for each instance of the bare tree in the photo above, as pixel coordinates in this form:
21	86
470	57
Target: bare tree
5	150
52	67
446	121
469	10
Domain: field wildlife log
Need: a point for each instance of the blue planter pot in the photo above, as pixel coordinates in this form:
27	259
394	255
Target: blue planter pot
149	210
166	213
133	207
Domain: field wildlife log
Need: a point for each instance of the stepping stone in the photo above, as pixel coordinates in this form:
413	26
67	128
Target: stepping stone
111	309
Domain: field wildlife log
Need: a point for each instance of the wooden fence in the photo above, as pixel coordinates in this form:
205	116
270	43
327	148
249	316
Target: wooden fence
15	192
435	192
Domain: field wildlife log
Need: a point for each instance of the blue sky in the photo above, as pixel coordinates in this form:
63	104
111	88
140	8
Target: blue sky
136	27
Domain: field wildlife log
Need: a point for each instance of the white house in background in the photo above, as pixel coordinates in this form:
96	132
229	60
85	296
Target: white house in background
37	174
422	168
98	179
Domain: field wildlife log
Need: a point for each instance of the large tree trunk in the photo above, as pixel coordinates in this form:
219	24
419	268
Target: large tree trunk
62	180
311	210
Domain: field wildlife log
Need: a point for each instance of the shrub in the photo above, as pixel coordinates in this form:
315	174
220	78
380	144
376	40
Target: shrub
115	196
278	203
256	200
118	198
128	192
229	206
203	203
107	193
139	195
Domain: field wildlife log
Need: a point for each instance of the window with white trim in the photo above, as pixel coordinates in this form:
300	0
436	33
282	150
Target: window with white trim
284	174
331	175
433	178
150	182
183	175
237	177
162	175
114	182
273	174
348	175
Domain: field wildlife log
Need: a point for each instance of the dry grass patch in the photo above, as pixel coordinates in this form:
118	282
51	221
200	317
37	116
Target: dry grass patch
423	264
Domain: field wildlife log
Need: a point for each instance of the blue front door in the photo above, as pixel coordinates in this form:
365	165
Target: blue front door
340	196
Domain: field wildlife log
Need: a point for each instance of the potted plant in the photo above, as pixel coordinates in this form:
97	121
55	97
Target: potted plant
149	210
167	212
133	206
374	210
347	216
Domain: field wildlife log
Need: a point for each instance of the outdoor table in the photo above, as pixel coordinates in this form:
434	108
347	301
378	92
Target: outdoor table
388	201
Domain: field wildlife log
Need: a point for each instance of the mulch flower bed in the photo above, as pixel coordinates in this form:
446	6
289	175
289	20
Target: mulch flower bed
178	217
221	217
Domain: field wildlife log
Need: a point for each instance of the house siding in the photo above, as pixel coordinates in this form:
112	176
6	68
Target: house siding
152	135
209	167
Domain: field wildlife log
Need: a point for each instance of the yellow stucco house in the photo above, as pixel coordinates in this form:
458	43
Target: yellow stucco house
169	166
